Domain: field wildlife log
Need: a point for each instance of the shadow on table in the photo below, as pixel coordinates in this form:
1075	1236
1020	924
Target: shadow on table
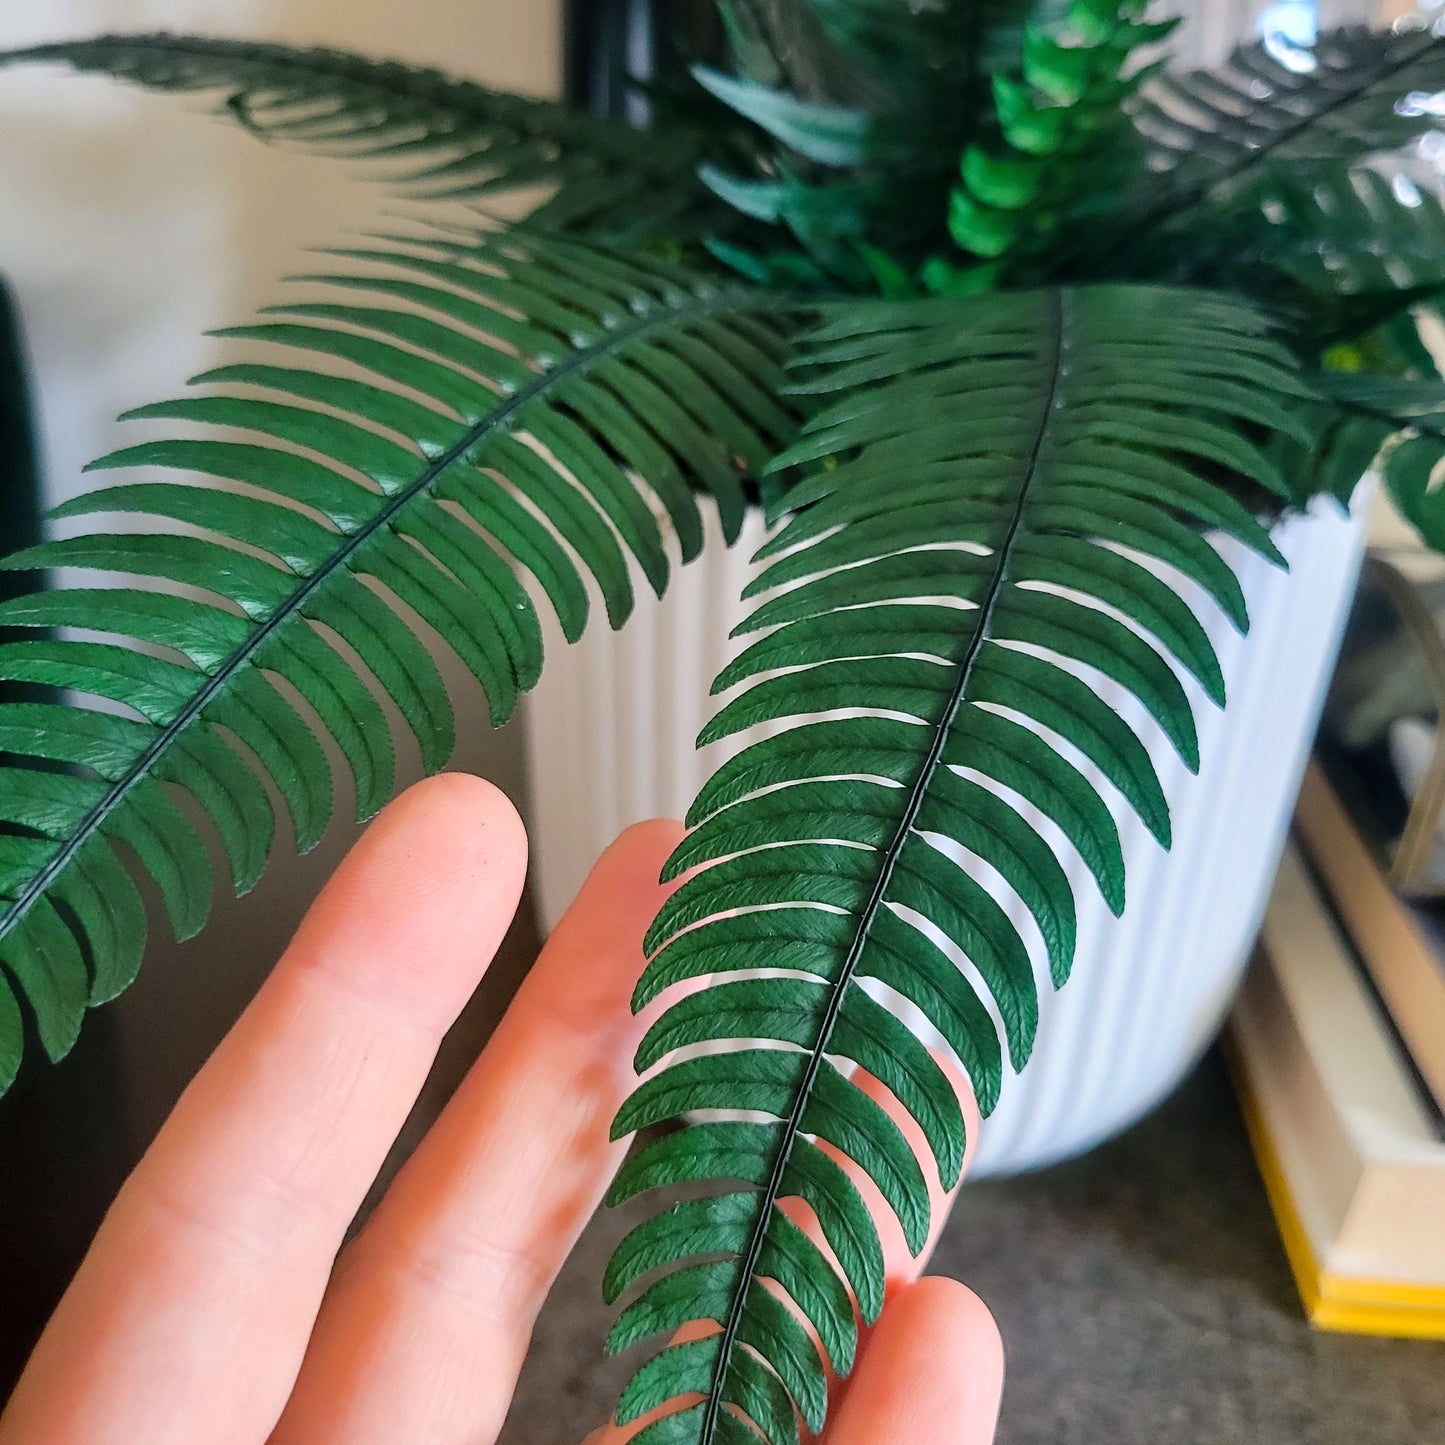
1144	1295
1178	1197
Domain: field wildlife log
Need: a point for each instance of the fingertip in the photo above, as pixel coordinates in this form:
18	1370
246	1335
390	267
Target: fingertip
630	870
938	1303
945	1331
464	811
932	1371
439	828
652	838
418	906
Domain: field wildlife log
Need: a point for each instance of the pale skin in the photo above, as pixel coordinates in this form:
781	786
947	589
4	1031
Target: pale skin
213	1308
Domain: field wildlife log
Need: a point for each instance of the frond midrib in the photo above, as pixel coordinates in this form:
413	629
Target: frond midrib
730	301
792	1126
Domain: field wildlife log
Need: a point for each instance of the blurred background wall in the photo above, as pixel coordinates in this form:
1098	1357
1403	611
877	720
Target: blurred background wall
129	224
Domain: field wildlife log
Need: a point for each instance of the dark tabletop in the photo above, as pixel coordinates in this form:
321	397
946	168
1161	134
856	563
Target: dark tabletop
1143	1297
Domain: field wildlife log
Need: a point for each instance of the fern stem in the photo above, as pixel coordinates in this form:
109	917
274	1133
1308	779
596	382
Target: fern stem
792	1126
729	302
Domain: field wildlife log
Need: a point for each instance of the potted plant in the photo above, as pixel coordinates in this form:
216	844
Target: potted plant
1005	332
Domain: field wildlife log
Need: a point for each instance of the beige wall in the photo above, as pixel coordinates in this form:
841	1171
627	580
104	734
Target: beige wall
131	224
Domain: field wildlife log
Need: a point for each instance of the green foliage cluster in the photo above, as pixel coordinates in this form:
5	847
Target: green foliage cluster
1065	144
1002	320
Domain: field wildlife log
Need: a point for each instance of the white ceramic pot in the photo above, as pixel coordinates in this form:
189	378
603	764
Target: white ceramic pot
610	732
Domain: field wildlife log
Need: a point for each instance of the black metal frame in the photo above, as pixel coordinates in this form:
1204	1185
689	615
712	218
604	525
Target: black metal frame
20	505
609	44
19	462
594	35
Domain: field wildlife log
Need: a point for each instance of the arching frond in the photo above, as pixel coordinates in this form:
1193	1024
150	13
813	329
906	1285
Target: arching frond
1344	98
1358	258
1349	254
962	560
438	136
448	417
886	95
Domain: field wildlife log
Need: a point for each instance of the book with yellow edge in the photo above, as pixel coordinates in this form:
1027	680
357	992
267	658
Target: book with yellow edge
1400	943
1350	1149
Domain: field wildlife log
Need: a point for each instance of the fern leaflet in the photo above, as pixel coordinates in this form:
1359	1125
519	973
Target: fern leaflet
1398	426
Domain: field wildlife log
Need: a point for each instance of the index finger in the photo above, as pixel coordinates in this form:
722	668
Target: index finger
190	1315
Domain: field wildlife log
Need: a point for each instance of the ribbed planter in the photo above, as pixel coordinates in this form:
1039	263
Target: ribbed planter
610	731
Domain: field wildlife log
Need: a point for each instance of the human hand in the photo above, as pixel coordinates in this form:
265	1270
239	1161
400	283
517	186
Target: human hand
212	1308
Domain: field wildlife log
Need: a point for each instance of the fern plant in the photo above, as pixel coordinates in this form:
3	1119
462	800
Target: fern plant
1000	319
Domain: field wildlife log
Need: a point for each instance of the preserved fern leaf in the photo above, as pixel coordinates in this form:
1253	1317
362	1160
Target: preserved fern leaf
888	94
449	416
785	44
1343	99
1352	252
991	471
443	137
1353	231
1398	426
1358	255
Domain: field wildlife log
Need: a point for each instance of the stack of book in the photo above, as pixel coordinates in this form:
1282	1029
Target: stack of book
1338	1050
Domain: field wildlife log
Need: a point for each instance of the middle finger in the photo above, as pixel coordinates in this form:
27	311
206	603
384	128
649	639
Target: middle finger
423	1331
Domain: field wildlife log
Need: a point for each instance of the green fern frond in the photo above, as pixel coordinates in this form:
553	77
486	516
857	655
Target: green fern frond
1350	252
1396	425
1356	256
963	559
448	417
837	176
785	45
1352	231
1342	99
442	137
835	136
